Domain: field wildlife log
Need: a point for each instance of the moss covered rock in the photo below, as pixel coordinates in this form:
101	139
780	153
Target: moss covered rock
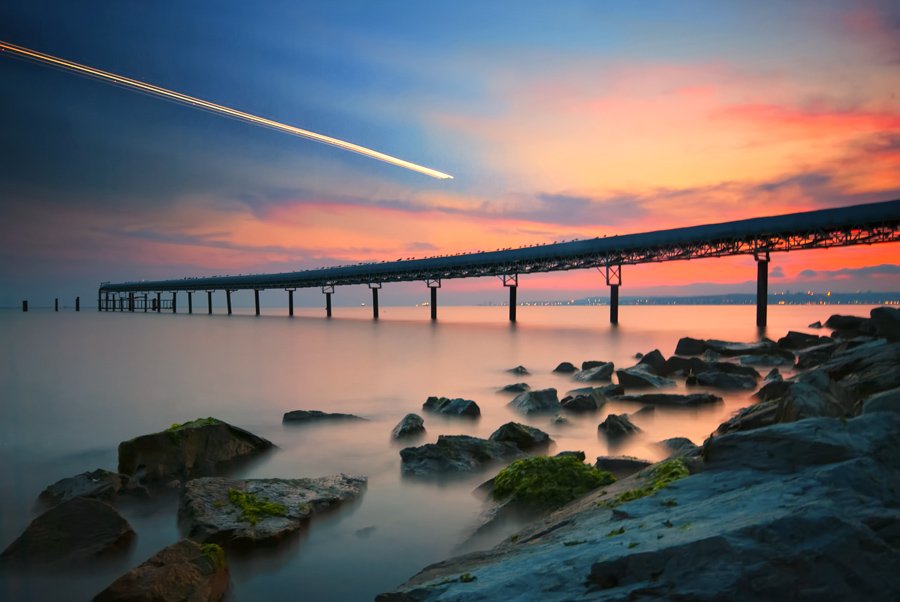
546	483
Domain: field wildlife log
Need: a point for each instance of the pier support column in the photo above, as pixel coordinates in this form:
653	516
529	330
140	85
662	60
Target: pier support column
511	281
145	302
374	286
433	285
25	305
158	302
290	293
190	302
209	302
131	302
56	304
106	303
77	303
121	303
613	280
174	296
762	287
99	300
228	300
256	299
328	289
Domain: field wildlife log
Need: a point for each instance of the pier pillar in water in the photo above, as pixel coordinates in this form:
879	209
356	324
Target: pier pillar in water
56	304
77	303
290	293
106	304
256	299
511	281
209	302
328	289
375	286
613	281
433	285
228	300
174	294
158	302
145	302
25	305
190	302
131	302
99	300
762	287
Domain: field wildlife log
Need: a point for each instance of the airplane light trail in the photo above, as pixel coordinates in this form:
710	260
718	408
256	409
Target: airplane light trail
216	108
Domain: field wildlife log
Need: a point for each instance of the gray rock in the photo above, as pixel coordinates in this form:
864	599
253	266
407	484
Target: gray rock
866	369
816	324
673	399
803	401
765	360
182	571
603	372
774	376
728	382
515	388
73	532
521	370
101	484
581	403
640	378
603	393
542	401
410	426
587	365
452	407
196	448
690	346
693	365
522	436
801	340
618	425
298	416
621	466
455	454
210	508
679	447
886	401
654	362
886	321
573	454
839	322
751	417
566	368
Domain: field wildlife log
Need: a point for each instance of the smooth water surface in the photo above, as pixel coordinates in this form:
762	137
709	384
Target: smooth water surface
73	385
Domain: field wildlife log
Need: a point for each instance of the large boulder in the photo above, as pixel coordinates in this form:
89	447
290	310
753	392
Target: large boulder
639	377
886	321
694	365
672	399
101	484
304	416
455	454
621	466
185	571
522	436
581	403
886	401
565	368
804	401
542	401
452	407
841	322
243	512
617	425
603	372
679	447
801	340
73	532
654	361
200	447
751	417
728	382
690	346
410	426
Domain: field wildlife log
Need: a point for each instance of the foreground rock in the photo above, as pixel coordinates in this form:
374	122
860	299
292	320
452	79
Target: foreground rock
298	416
452	407
679	447
100	484
411	425
799	511
617	425
73	532
184	571
691	346
801	340
672	399
886	401
200	447
235	513
886	321
522	436
727	382
455	454
542	401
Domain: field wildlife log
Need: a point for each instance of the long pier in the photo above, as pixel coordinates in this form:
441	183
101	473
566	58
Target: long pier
867	224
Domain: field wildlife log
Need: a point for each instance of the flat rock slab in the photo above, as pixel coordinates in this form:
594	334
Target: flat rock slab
73	532
300	416
207	512
621	466
672	399
456	454
184	571
100	484
197	448
542	401
728	382
452	407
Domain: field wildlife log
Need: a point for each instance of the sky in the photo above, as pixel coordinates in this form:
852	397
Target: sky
558	120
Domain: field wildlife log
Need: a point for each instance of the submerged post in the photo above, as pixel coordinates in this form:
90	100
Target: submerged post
25	305
375	286
209	302
511	281
328	289
77	303
228	299
131	302
762	287
99	300
256	299
174	295
290	292
158	302
106	305
145	302
613	280
56	304
433	285
190	302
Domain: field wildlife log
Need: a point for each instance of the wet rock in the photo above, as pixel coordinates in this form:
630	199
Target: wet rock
680	446
582	403
693	365
886	401
243	512
728	382
200	447
454	454
640	378
766	360
816	324
801	340
638	355
839	322
603	372
603	393
521	370
452	407
804	401
813	356
101	484
654	361
73	532
298	416
566	368
644	411
772	390
690	346
574	454
184	571
621	466
672	399
522	436
886	321
774	376
618	425
865	369
587	365
542	401
515	388
410	426
751	417
731	349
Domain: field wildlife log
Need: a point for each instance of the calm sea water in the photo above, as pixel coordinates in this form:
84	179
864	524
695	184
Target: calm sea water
73	385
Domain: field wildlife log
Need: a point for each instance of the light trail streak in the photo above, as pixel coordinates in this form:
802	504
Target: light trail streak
217	108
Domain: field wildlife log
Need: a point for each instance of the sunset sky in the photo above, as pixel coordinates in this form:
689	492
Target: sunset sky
558	120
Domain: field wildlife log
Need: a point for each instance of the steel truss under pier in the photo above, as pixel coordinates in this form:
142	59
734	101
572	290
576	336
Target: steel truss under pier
760	237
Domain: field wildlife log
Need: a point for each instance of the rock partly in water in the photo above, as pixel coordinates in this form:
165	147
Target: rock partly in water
566	368
304	416
886	401
588	364
618	425
522	436
185	571
766	360
603	372
574	454
452	407
679	447
455	454
654	362
243	512
751	417
542	483
886	321
801	340
522	370
693	365
690	346
582	403
515	388
73	532
410	426
639	377
200	447
542	401
728	382
840	322
804	401
621	466
101	484
673	399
